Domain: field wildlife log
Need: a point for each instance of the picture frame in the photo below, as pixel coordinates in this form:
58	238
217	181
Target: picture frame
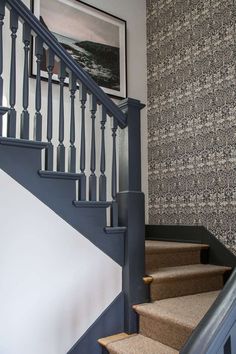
96	39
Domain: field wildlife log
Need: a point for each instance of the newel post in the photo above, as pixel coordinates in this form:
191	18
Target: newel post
131	211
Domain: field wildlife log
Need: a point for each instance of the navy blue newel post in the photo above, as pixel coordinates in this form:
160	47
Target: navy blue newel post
131	211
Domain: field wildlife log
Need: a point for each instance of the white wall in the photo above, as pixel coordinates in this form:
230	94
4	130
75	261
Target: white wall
51	277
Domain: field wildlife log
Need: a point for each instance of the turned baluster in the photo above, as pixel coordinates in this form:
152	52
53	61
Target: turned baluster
114	210
24	131
38	98
2	15
11	124
82	182
72	150
49	150
102	178
61	147
93	177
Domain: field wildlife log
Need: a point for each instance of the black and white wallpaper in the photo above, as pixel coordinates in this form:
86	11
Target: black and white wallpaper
192	114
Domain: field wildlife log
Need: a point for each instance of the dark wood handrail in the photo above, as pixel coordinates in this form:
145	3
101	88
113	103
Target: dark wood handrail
27	16
209	328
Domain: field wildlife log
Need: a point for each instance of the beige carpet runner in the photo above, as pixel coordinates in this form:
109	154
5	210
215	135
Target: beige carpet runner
182	291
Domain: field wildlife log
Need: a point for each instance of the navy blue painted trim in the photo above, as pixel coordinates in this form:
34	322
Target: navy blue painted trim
218	253
23	143
59	175
110	322
4	110
115	230
130	147
23	164
71	64
131	215
212	331
91	204
127	102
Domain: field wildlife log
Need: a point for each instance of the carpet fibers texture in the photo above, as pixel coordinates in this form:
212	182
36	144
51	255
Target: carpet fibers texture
182	291
186	280
170	254
139	344
169	321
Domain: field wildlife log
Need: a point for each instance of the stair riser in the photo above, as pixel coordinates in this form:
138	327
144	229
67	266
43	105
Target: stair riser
181	287
155	261
164	331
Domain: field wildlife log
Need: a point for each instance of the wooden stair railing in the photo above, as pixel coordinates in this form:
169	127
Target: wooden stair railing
217	330
91	97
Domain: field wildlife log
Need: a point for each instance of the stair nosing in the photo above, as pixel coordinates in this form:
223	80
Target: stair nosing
166	317
170	250
197	274
149	339
34	144
91	204
59	175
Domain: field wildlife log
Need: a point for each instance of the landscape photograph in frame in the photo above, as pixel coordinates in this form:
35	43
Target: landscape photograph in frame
95	39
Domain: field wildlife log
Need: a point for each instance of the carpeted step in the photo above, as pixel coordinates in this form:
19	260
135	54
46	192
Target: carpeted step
186	280
171	254
171	321
138	344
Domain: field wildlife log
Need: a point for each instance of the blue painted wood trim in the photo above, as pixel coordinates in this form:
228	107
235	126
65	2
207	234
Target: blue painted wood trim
71	64
23	143
211	333
217	254
3	110
131	215
23	164
130	147
110	322
91	204
59	175
115	230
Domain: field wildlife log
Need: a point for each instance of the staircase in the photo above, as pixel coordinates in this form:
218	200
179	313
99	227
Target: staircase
182	290
66	169
78	152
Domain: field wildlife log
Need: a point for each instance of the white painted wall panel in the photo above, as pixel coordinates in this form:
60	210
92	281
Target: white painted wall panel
53	281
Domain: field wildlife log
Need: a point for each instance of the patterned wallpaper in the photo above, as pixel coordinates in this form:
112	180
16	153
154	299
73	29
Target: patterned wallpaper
192	114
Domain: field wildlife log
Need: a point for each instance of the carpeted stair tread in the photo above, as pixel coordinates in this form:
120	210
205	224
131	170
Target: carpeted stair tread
138	344
185	310
172	247
172	321
168	274
161	254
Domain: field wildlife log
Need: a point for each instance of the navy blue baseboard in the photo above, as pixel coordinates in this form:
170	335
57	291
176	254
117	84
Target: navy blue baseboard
218	253
110	322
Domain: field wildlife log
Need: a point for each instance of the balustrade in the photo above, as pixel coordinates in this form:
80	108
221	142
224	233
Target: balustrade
84	145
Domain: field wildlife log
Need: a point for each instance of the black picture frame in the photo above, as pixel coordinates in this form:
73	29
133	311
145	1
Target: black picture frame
106	59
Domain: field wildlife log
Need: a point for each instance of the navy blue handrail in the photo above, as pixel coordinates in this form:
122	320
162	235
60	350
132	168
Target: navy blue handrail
210	336
26	15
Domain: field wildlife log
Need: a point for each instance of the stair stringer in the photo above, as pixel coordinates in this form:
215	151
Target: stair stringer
23	163
105	324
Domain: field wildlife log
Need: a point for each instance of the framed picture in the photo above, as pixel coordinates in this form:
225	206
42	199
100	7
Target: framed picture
95	39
